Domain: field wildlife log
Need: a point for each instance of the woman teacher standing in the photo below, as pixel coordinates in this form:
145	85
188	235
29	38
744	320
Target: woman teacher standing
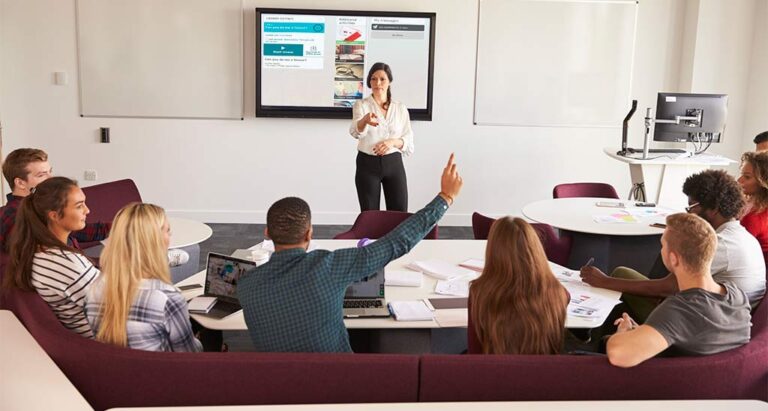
383	130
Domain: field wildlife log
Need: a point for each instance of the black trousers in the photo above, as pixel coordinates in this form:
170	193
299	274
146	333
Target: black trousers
375	172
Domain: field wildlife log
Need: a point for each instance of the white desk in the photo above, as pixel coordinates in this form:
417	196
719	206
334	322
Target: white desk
686	405
663	175
635	245
29	379
453	251
186	232
577	214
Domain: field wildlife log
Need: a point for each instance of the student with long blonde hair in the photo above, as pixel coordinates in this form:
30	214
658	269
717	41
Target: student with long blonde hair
516	306
133	304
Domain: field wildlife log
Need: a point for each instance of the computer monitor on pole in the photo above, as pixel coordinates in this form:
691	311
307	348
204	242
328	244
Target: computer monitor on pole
690	118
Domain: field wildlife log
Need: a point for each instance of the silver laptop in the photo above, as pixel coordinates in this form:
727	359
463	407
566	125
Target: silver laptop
365	298
222	275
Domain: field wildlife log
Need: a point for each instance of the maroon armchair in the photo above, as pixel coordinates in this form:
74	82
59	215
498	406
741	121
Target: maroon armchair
109	376
558	249
600	190
105	200
376	224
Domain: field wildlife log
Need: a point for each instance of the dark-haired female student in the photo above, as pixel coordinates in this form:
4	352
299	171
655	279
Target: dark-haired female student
382	127
516	306
42	257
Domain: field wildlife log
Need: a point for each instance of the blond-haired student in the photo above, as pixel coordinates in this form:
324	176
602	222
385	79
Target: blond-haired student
704	317
133	303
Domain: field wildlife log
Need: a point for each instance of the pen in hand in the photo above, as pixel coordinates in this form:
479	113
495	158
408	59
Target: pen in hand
589	262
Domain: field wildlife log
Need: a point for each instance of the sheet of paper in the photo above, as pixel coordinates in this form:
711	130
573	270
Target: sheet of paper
565	274
589	301
615	218
649	212
403	278
458	287
440	270
474	264
456	317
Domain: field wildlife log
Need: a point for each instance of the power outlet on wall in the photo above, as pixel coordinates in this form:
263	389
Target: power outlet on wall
90	175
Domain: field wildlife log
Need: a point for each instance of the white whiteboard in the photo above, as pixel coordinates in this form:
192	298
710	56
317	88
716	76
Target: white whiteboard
554	62
160	58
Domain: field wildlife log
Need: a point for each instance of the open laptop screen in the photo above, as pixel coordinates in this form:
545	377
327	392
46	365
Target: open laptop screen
369	287
222	275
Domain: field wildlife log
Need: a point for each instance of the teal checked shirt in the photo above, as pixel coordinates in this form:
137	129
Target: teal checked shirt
294	302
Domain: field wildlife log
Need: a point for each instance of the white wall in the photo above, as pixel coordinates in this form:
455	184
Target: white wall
756	113
231	171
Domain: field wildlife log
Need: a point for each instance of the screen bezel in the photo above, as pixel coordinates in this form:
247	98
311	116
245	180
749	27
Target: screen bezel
424	114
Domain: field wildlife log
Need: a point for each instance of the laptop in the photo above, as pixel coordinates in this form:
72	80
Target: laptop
221	277
365	298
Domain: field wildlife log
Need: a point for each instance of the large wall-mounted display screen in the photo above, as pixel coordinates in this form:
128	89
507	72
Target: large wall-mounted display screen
314	63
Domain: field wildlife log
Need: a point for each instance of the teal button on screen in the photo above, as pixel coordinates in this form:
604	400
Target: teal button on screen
289	27
283	50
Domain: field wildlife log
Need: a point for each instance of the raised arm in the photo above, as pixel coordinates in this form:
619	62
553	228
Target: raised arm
351	264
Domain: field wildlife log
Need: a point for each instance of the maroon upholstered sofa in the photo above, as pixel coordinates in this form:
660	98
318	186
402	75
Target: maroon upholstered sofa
741	373
109	377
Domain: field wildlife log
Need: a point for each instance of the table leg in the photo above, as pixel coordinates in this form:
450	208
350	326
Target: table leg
609	252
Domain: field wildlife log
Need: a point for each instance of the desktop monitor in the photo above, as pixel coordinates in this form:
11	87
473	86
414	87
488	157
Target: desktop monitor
710	111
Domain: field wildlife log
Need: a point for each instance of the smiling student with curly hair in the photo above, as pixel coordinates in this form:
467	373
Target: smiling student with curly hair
754	183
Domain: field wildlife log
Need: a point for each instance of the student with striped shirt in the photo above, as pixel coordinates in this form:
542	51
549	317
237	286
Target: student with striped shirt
133	303
40	257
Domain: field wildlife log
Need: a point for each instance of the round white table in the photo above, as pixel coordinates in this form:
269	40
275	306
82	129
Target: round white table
186	232
612	244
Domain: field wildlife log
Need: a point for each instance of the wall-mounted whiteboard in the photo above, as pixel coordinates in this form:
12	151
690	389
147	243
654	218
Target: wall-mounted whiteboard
160	58
554	62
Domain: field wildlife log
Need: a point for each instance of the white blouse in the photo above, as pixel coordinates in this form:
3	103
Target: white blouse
396	124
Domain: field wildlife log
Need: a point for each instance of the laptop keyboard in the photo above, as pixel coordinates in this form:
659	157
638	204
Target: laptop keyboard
362	304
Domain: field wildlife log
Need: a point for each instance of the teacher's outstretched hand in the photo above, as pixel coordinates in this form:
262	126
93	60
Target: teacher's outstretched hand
369	119
450	182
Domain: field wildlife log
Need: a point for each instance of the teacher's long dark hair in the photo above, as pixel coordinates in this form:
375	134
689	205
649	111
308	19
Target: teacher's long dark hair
31	233
385	68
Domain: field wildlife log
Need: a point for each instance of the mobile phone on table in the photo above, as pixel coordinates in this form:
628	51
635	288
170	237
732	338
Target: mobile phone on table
644	204
609	204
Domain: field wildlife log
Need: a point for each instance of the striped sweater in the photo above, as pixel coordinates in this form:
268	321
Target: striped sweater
62	279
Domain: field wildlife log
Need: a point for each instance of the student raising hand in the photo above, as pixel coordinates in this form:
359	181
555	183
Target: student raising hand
450	182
